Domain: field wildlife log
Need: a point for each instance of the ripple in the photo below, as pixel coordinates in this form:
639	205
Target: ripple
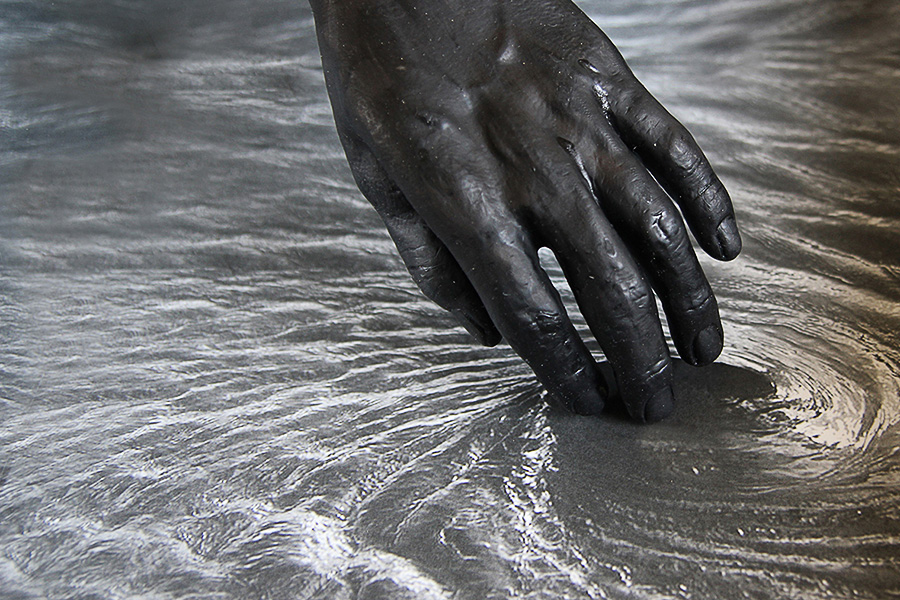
217	380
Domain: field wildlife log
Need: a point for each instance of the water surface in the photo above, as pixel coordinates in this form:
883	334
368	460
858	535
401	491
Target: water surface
218	381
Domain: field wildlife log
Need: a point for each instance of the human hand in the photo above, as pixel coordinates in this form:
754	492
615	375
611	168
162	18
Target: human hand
482	130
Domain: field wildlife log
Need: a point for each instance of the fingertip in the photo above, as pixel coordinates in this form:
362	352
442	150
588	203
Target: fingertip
584	392
728	239
592	400
492	337
659	406
707	346
588	407
479	326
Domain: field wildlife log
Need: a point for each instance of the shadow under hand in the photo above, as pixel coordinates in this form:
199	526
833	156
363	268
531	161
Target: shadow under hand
710	438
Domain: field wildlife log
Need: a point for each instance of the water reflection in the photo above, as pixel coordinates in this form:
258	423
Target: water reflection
217	380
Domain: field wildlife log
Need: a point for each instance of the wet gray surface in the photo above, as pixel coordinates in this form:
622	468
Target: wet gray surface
218	381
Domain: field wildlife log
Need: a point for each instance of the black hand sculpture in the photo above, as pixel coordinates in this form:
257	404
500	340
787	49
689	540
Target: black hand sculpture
482	130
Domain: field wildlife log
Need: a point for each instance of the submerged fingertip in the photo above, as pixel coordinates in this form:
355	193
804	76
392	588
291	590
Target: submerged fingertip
587	407
659	406
587	397
592	402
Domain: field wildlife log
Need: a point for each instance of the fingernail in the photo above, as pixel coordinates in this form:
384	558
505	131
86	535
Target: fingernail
707	345
659	406
728	238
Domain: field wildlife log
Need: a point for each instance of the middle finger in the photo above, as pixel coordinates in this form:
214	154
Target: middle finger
611	292
654	231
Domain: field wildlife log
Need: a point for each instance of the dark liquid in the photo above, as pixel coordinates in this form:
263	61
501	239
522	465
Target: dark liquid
217	378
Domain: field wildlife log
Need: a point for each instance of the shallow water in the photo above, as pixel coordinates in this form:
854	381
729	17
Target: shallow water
218	381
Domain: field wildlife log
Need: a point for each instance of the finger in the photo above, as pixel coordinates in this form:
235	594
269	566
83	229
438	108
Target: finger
674	158
652	228
454	182
429	262
530	314
613	296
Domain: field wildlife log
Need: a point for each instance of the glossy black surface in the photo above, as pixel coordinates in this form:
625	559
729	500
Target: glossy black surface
482	131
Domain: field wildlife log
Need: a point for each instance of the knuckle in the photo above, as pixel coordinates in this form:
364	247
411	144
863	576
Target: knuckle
635	295
710	194
656	373
698	303
364	114
545	323
690	163
421	258
630	101
433	122
495	239
665	229
680	147
540	333
435	127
